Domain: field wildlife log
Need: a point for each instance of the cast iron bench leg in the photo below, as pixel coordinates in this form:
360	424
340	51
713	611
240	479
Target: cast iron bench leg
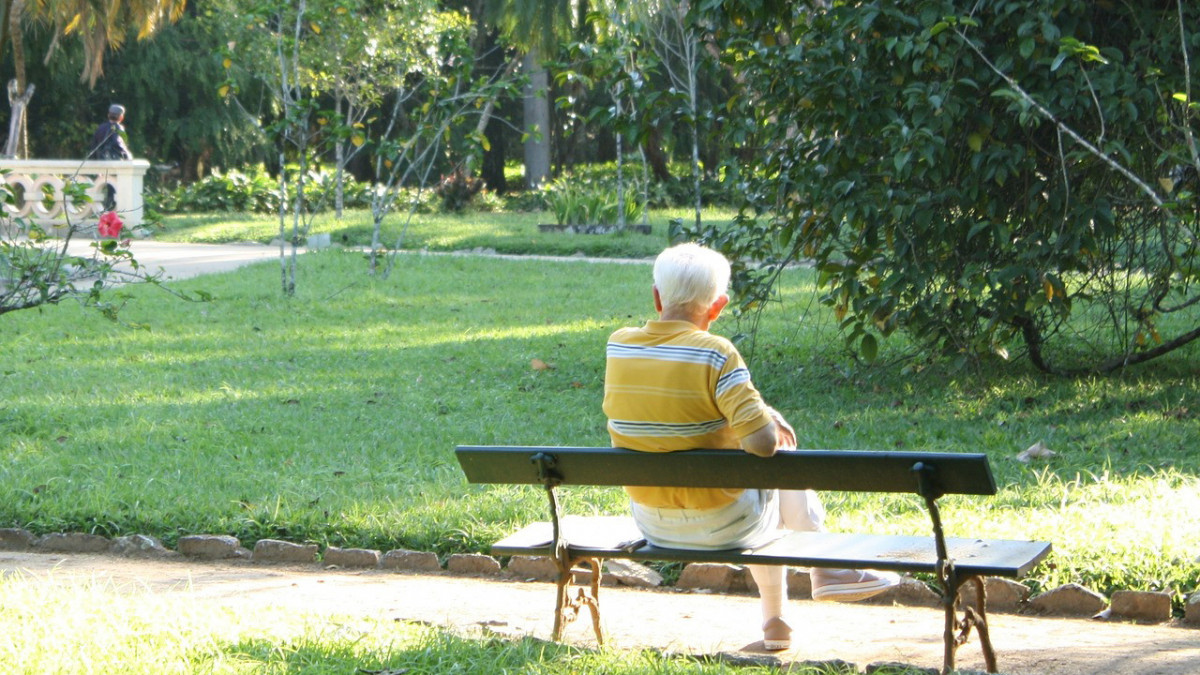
973	617
566	608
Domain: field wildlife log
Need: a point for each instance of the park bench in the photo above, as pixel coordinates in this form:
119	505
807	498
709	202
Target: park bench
573	541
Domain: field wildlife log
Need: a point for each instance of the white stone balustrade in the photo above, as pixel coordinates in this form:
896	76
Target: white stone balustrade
38	189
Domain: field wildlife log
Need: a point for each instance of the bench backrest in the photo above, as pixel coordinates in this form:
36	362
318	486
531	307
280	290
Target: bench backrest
848	470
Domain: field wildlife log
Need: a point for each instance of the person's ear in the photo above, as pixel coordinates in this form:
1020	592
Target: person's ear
719	304
658	306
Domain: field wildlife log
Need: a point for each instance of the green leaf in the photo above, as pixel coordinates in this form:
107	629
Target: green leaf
977	228
869	347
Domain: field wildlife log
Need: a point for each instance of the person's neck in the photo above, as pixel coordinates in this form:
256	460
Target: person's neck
698	319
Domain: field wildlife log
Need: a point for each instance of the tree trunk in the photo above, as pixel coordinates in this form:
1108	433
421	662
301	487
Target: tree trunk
696	162
17	146
655	157
620	164
537	122
694	108
19	91
492	170
339	161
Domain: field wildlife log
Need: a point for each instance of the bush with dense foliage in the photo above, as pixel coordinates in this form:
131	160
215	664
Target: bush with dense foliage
575	201
1008	176
251	191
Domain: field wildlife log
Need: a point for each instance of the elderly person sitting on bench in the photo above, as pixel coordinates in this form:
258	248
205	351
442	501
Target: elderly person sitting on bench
671	385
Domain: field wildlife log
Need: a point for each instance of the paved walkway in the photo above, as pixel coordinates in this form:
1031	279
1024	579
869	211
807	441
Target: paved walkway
181	261
696	623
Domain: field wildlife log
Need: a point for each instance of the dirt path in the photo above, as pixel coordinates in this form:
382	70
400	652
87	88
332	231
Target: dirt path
682	622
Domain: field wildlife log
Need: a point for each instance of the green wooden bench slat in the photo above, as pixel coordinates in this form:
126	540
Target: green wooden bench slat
849	470
611	537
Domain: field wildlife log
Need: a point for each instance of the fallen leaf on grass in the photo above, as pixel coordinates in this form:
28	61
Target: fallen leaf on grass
1036	451
538	364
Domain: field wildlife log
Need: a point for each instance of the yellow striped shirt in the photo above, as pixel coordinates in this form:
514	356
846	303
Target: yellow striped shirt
671	386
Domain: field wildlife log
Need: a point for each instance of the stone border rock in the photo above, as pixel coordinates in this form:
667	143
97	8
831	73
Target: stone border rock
1004	595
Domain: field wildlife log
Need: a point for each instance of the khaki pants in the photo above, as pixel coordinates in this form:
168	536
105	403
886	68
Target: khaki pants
755	518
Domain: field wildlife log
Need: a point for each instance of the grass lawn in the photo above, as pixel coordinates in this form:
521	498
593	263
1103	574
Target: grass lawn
331	417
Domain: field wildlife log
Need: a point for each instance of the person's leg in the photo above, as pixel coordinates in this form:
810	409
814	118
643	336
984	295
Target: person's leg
751	520
801	511
772	594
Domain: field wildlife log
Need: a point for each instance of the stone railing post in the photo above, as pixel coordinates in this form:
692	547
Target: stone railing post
38	187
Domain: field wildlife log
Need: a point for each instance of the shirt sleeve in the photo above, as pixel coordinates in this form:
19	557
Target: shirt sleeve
737	398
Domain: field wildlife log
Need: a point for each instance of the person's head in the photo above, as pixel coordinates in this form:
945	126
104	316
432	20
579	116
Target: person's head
691	278
116	113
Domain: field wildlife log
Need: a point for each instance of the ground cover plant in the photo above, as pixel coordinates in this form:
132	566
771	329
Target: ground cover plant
331	416
90	627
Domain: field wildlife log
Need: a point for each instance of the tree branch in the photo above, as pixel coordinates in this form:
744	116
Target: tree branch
1101	155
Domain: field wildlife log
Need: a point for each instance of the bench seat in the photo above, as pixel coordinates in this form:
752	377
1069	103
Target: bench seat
615	537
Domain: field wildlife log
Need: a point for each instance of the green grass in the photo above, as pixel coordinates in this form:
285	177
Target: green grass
331	417
501	232
94	628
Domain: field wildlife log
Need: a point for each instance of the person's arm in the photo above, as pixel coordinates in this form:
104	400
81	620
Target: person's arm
778	435
123	148
761	443
98	139
785	437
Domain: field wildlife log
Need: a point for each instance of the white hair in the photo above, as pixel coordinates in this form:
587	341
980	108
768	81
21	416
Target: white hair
690	275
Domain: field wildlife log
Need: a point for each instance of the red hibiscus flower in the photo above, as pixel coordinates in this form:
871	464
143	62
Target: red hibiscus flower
110	225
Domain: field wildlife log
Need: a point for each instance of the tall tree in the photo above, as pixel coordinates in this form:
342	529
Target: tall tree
537	27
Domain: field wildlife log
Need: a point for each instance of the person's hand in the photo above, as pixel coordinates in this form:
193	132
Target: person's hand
785	435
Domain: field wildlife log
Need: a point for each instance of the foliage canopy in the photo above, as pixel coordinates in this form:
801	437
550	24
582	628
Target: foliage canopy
985	176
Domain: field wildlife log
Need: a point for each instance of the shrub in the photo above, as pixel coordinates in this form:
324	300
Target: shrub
675	193
586	202
487	201
457	189
252	191
525	201
235	191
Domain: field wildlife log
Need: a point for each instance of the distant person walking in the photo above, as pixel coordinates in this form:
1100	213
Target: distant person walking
108	143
